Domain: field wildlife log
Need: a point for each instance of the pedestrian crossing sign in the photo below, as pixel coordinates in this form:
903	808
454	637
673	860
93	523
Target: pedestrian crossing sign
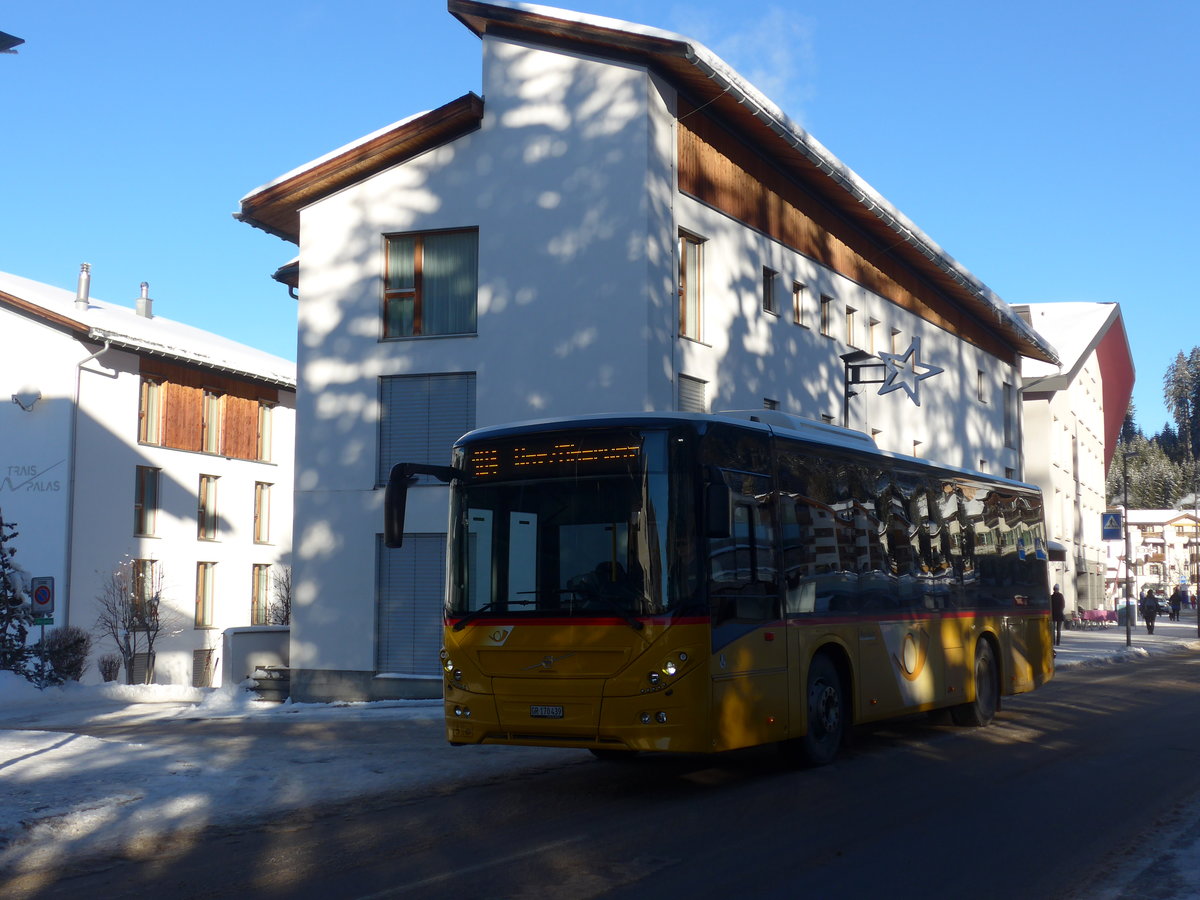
1111	526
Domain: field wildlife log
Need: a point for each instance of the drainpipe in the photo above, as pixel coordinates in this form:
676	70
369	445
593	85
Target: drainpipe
72	455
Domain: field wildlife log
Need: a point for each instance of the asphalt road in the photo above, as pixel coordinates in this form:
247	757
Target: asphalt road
1070	794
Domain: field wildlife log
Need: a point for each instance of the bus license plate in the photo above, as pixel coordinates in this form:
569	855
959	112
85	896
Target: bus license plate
546	712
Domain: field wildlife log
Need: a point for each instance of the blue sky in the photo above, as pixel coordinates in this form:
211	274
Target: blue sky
1048	146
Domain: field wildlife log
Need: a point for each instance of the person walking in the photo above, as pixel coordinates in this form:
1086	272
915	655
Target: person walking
1149	611
1176	602
1058	613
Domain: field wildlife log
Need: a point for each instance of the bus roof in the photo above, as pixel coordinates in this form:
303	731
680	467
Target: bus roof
765	420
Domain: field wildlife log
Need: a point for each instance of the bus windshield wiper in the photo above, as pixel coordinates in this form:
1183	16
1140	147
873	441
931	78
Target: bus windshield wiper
487	607
473	614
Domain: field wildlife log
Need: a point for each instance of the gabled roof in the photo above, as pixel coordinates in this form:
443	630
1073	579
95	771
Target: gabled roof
1159	516
123	328
1079	330
275	207
709	82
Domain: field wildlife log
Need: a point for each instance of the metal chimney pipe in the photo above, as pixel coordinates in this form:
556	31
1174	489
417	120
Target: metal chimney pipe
85	283
144	303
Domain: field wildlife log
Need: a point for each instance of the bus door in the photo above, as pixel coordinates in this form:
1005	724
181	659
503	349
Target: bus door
749	645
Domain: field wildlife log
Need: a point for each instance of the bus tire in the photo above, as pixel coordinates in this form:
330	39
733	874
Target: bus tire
982	709
825	699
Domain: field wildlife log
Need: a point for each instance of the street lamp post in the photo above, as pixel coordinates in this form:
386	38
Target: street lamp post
1125	523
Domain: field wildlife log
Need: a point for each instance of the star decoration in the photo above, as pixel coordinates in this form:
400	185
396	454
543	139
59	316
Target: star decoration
906	371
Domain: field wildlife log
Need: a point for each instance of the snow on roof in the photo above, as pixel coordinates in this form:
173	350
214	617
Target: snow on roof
334	154
154	335
1073	327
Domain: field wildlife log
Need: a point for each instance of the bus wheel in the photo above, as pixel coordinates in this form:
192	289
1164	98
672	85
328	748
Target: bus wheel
826	713
982	710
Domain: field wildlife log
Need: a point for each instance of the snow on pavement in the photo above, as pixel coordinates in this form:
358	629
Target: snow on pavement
170	760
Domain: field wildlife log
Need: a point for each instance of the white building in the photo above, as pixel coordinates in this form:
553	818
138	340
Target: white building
128	436
622	222
1164	553
1073	414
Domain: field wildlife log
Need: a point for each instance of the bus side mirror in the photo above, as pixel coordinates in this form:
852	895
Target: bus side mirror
717	510
395	499
395	496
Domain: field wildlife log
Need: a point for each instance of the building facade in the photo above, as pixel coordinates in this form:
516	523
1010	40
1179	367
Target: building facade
620	223
1073	414
1164	554
135	441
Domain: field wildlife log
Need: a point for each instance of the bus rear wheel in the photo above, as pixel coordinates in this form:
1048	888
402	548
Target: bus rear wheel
983	708
826	704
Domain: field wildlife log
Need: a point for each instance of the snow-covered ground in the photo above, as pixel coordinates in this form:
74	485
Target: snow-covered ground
175	759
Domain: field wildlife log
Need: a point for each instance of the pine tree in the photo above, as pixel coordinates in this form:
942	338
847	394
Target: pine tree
15	613
1179	392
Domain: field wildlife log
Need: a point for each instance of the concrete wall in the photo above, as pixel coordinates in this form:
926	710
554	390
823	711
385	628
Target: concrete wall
35	462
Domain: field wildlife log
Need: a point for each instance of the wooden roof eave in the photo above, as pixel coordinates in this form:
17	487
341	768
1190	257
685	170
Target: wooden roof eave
276	207
77	328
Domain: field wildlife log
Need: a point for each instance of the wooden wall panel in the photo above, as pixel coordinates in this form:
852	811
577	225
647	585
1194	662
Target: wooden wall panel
241	427
183	398
719	170
182	416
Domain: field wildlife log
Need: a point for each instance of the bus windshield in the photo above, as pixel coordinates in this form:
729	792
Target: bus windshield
565	525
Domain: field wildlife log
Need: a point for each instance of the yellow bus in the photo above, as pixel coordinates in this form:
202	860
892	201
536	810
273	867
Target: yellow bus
699	583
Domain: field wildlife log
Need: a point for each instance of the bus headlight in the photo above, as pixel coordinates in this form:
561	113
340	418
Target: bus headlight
660	718
669	668
462	712
645	718
654	677
448	664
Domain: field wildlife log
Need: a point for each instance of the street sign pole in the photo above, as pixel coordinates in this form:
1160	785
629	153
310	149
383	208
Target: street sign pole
42	588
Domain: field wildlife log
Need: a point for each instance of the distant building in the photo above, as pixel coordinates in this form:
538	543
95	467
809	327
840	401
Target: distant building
620	223
128	436
1073	414
1164	553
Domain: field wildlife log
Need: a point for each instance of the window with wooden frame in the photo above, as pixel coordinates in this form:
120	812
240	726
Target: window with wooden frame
206	509
263	435
431	283
205	578
145	592
851	326
260	594
797	303
770	279
691	274
826	316
145	500
1010	417
262	512
210	422
150	412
